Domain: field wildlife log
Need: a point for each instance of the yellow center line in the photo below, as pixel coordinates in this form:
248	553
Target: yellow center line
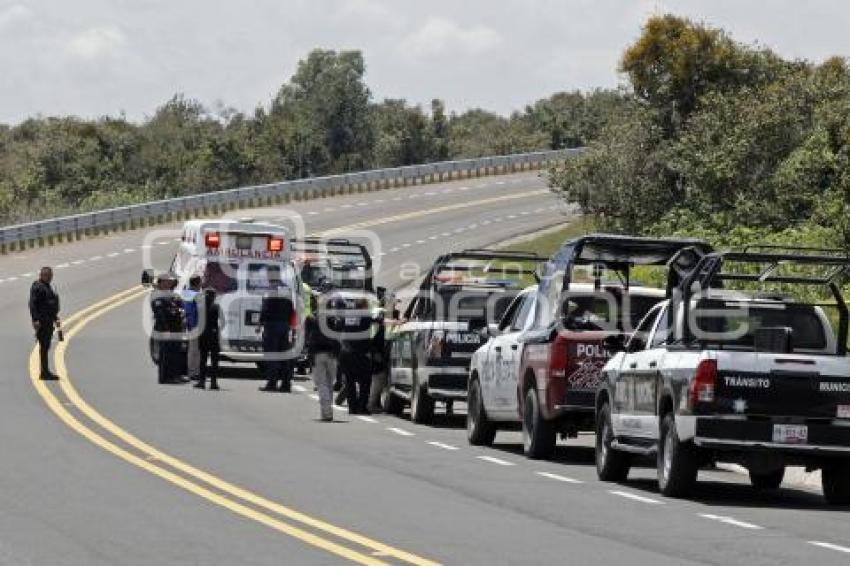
154	455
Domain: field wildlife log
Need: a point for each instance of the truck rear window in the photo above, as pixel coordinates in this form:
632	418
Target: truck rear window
734	325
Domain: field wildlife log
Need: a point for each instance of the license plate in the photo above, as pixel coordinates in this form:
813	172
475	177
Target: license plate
843	412
352	321
790	434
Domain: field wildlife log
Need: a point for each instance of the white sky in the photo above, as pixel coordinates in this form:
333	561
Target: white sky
97	57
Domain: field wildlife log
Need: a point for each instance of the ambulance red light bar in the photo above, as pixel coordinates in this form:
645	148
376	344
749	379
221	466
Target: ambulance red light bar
212	240
275	244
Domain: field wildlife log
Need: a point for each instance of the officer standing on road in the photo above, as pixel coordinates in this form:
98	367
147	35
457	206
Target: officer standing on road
193	353
44	312
169	325
209	341
278	320
323	347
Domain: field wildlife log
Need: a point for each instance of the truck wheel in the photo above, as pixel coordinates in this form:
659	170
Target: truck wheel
538	434
421	404
769	480
835	479
611	464
390	402
678	463
480	431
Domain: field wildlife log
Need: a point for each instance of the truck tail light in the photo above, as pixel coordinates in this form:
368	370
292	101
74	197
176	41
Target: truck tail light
702	388
212	240
275	244
558	357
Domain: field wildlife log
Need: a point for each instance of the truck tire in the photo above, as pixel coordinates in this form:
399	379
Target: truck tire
480	431
421	404
611	465
769	480
835	479
538	434
678	462
390	402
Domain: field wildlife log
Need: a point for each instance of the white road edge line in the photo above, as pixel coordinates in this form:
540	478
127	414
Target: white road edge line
830	546
497	461
634	497
367	419
443	446
299	388
400	431
557	477
314	397
731	521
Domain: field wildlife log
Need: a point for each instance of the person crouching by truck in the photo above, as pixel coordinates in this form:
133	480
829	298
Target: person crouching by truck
278	322
209	342
323	347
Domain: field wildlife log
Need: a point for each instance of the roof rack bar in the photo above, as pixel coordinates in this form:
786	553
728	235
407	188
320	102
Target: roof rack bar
755	257
748	248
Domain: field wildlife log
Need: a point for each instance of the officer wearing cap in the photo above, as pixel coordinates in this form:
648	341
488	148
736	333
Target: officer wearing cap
168	325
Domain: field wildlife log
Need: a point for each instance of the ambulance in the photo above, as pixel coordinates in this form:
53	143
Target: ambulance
237	258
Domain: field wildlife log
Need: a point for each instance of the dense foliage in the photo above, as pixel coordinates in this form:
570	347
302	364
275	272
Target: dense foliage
720	140
322	121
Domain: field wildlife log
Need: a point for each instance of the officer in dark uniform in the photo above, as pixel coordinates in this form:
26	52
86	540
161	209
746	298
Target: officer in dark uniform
169	323
355	359
209	342
44	312
278	319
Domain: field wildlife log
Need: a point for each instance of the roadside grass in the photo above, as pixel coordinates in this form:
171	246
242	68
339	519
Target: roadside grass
550	242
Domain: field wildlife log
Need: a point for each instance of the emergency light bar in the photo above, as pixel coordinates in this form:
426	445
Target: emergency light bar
274	244
212	240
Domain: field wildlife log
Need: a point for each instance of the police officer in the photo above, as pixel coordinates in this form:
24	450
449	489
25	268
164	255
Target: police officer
44	312
169	325
323	347
209	342
278	320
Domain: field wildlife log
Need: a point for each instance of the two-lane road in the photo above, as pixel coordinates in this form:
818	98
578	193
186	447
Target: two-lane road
172	475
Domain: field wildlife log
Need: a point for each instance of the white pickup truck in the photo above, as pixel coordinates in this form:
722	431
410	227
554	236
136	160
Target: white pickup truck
756	379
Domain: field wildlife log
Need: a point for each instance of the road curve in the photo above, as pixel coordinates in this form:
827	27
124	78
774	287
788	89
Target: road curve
178	476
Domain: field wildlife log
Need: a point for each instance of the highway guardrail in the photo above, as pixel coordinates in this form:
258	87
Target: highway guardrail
74	227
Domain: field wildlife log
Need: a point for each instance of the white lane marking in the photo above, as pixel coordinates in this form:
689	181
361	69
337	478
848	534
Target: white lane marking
382	254
525	213
314	397
731	521
430	194
472	226
299	388
347	206
312	213
27	274
485	222
830	546
420	241
400	431
539	210
511	216
61	266
12	279
78	262
499	219
459	230
446	234
634	497
433	237
96	258
113	254
362	204
380	201
393	250
405	245
447	191
176	239
2	280
397	199
367	419
500	182
146	246
128	250
497	461
557	477
163	243
443	446
330	209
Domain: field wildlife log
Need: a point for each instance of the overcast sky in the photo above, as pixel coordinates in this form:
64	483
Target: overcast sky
96	57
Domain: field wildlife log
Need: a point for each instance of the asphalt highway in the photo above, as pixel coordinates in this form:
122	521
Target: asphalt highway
107	467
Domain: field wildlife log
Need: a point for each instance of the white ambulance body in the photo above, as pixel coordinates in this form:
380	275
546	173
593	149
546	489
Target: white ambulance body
235	258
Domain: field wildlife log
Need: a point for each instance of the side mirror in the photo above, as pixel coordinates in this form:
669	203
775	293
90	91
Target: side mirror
147	277
614	343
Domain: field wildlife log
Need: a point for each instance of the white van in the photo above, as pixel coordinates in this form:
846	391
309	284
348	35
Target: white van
235	258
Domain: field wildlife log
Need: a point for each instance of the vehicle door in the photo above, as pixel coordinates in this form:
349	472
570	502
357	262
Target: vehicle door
498	354
224	278
507	372
402	362
647	376
634	361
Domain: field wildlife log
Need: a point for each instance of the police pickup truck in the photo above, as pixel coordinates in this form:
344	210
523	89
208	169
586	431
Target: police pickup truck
430	352
734	367
543	362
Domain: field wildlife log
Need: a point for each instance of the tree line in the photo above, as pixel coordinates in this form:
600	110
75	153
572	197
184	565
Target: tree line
722	140
323	120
